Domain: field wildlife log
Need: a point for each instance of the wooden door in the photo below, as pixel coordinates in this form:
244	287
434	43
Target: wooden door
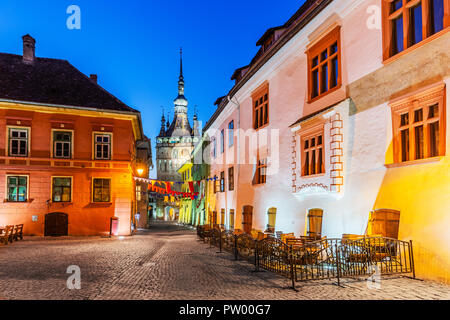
315	217
56	225
384	222
247	220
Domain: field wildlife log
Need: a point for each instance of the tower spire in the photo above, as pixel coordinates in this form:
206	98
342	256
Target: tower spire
181	63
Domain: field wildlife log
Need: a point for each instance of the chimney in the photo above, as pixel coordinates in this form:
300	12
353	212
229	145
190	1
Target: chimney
29	45
93	78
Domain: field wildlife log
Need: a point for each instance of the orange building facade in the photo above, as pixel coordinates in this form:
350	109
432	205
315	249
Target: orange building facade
66	166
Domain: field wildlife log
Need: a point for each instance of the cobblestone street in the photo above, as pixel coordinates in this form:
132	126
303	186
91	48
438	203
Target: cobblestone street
167	262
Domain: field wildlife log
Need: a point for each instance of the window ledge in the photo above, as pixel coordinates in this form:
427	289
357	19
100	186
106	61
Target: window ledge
414	162
61	202
18	202
414	47
314	176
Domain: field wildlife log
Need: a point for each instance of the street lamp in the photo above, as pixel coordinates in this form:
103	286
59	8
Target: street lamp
140	171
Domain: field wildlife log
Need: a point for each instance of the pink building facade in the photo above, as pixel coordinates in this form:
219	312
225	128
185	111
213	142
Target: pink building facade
348	115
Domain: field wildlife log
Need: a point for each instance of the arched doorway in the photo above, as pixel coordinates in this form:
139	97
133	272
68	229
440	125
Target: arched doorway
247	219
271	220
56	224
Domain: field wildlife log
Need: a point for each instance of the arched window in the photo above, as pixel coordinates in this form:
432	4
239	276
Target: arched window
315	223
271	220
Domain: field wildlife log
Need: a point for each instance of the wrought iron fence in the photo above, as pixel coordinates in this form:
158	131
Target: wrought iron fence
229	241
246	247
305	260
216	238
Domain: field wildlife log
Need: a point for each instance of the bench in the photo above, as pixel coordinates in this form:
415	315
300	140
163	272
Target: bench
18	232
6	236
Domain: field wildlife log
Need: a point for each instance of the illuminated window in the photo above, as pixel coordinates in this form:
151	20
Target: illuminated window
18	142
324	66
61	189
231	178
101	190
419	126
261	107
222	218
408	22
313	154
17	188
231	221
271	220
222	181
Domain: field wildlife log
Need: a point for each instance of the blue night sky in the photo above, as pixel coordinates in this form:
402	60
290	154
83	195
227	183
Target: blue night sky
133	45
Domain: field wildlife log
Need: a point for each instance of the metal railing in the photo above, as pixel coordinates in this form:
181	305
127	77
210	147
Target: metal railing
301	260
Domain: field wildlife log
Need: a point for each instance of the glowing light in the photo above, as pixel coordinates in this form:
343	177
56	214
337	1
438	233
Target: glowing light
140	171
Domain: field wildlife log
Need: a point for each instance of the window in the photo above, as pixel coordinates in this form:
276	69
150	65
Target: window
231	178
222	141
17	188
261	171
222	181
231	221
313	155
222	218
408	22
18	142
215	184
419	126
138	193
61	189
231	133
102	146
261	108
62	144
324	65
101	190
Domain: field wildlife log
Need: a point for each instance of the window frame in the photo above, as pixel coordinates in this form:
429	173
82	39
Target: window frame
222	181
71	148
258	95
416	101
93	190
9	139
314	134
231	133
231	179
261	165
17	186
52	188
231	219
315	51
95	143
404	11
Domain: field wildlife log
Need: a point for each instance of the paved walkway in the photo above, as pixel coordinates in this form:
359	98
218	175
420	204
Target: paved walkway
166	262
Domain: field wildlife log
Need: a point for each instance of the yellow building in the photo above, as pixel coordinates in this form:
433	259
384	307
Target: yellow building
186	213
